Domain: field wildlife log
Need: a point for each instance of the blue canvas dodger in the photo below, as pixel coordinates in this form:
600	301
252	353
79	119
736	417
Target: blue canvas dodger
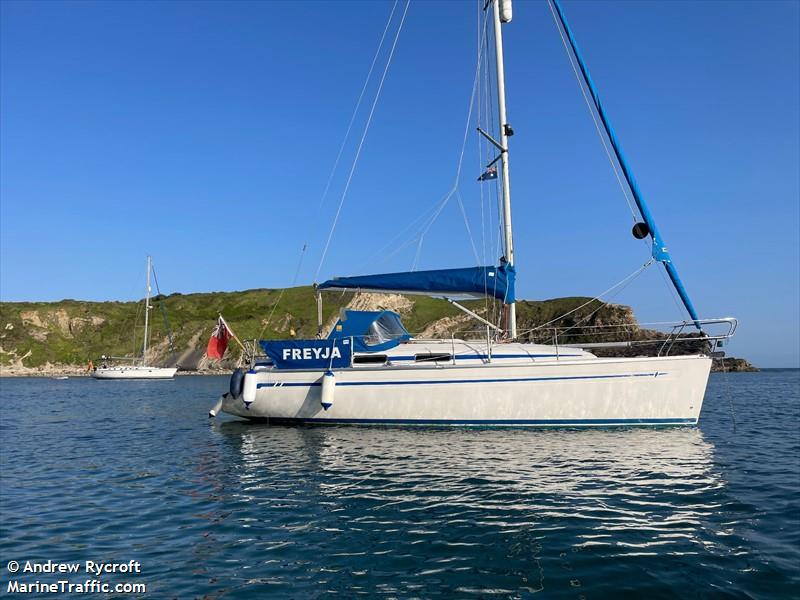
309	354
371	331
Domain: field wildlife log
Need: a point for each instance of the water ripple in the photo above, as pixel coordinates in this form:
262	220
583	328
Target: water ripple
229	509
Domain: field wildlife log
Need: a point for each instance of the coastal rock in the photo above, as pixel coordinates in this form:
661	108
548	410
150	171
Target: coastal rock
445	328
731	364
369	301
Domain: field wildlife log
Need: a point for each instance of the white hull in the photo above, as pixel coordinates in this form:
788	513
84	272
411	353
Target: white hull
582	392
134	372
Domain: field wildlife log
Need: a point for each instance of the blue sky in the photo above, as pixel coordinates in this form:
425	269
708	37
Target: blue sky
203	133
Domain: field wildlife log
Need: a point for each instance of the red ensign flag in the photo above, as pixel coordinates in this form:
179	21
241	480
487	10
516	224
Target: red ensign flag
219	340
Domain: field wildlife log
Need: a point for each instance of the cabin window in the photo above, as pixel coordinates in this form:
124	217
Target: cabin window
369	359
385	328
433	357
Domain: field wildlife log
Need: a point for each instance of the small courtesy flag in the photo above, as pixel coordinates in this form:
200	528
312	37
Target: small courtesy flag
219	340
488	174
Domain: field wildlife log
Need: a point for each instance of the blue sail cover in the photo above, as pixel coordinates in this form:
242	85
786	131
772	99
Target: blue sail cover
466	283
372	331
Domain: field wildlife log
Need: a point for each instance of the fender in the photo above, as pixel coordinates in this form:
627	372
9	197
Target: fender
237	383
249	388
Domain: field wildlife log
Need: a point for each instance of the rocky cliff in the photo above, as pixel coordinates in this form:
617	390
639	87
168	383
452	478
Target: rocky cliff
61	337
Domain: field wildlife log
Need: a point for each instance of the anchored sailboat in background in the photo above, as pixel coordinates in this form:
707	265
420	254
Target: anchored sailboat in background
369	369
138	367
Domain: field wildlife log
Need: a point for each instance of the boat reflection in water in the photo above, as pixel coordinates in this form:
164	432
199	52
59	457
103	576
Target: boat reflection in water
469	511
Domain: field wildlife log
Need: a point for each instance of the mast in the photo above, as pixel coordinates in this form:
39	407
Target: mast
505	130
146	310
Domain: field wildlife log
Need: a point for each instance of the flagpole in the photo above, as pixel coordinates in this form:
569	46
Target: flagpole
233	335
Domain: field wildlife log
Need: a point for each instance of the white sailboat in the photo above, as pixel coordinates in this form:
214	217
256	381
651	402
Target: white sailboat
138	368
370	370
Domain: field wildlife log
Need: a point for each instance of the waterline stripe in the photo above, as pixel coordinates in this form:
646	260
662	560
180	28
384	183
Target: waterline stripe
458	381
512	422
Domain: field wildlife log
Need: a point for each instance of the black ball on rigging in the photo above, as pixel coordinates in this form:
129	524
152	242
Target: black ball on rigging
640	231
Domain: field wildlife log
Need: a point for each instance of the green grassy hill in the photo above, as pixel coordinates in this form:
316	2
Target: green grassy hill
71	332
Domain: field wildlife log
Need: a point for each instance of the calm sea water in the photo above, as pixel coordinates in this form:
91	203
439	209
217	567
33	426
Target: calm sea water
115	471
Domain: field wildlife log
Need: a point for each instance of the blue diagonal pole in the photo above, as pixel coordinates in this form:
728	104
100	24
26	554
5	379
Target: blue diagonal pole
660	252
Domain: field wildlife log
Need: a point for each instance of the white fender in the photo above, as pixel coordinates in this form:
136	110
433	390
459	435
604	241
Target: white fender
249	388
328	387
216	408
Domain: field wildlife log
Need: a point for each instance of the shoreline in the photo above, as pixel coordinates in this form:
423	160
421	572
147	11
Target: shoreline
66	372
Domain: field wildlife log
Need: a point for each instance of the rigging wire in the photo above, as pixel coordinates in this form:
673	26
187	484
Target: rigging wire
481	201
672	293
163	311
454	191
135	322
361	142
622	282
357	106
382	253
494	199
472	102
589	105
417	253
420	226
486	197
578	323
499	240
466	224
335	163
283	291
482	103
479	115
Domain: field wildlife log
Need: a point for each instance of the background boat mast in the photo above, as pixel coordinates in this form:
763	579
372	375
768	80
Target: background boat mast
146	310
504	7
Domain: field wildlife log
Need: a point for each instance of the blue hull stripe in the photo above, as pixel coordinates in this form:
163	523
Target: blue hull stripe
485	356
507	422
458	381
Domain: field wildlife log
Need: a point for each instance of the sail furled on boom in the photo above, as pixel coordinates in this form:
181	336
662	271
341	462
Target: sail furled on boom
456	284
659	248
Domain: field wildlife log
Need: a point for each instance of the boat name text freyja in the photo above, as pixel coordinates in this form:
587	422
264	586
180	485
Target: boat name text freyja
310	353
